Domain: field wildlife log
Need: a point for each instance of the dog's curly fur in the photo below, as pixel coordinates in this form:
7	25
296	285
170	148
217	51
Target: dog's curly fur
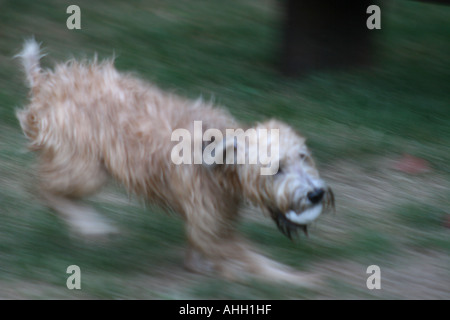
87	121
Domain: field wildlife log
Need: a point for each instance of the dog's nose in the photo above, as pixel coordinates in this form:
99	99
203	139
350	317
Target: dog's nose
316	195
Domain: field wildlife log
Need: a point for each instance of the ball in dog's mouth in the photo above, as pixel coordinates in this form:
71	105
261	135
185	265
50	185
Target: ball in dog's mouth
305	217
289	223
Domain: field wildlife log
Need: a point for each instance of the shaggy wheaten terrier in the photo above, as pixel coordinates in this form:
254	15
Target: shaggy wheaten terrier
87	121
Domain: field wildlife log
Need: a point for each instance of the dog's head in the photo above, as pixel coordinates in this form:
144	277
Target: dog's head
284	181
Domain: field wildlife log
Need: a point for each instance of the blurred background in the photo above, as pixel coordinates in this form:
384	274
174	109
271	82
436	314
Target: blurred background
374	105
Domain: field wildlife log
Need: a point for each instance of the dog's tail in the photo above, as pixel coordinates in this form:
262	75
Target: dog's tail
31	124
30	56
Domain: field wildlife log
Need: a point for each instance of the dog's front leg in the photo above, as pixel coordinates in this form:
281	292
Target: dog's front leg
225	253
196	261
228	259
213	243
221	252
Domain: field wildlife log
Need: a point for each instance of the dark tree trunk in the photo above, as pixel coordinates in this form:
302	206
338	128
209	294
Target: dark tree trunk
325	34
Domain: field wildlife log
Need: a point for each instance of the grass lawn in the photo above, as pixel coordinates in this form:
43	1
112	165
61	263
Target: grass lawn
360	124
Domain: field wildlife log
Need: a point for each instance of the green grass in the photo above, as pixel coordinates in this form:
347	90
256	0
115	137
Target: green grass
228	52
425	224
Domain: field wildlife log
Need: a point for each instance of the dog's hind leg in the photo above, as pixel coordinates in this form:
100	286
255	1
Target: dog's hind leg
65	178
81	218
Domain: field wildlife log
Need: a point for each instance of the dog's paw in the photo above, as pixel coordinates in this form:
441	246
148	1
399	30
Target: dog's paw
93	229
90	224
196	262
306	280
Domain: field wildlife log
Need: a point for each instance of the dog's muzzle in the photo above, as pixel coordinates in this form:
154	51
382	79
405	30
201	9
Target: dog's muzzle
290	222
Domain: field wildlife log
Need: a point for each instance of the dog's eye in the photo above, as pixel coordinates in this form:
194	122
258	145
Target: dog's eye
302	156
